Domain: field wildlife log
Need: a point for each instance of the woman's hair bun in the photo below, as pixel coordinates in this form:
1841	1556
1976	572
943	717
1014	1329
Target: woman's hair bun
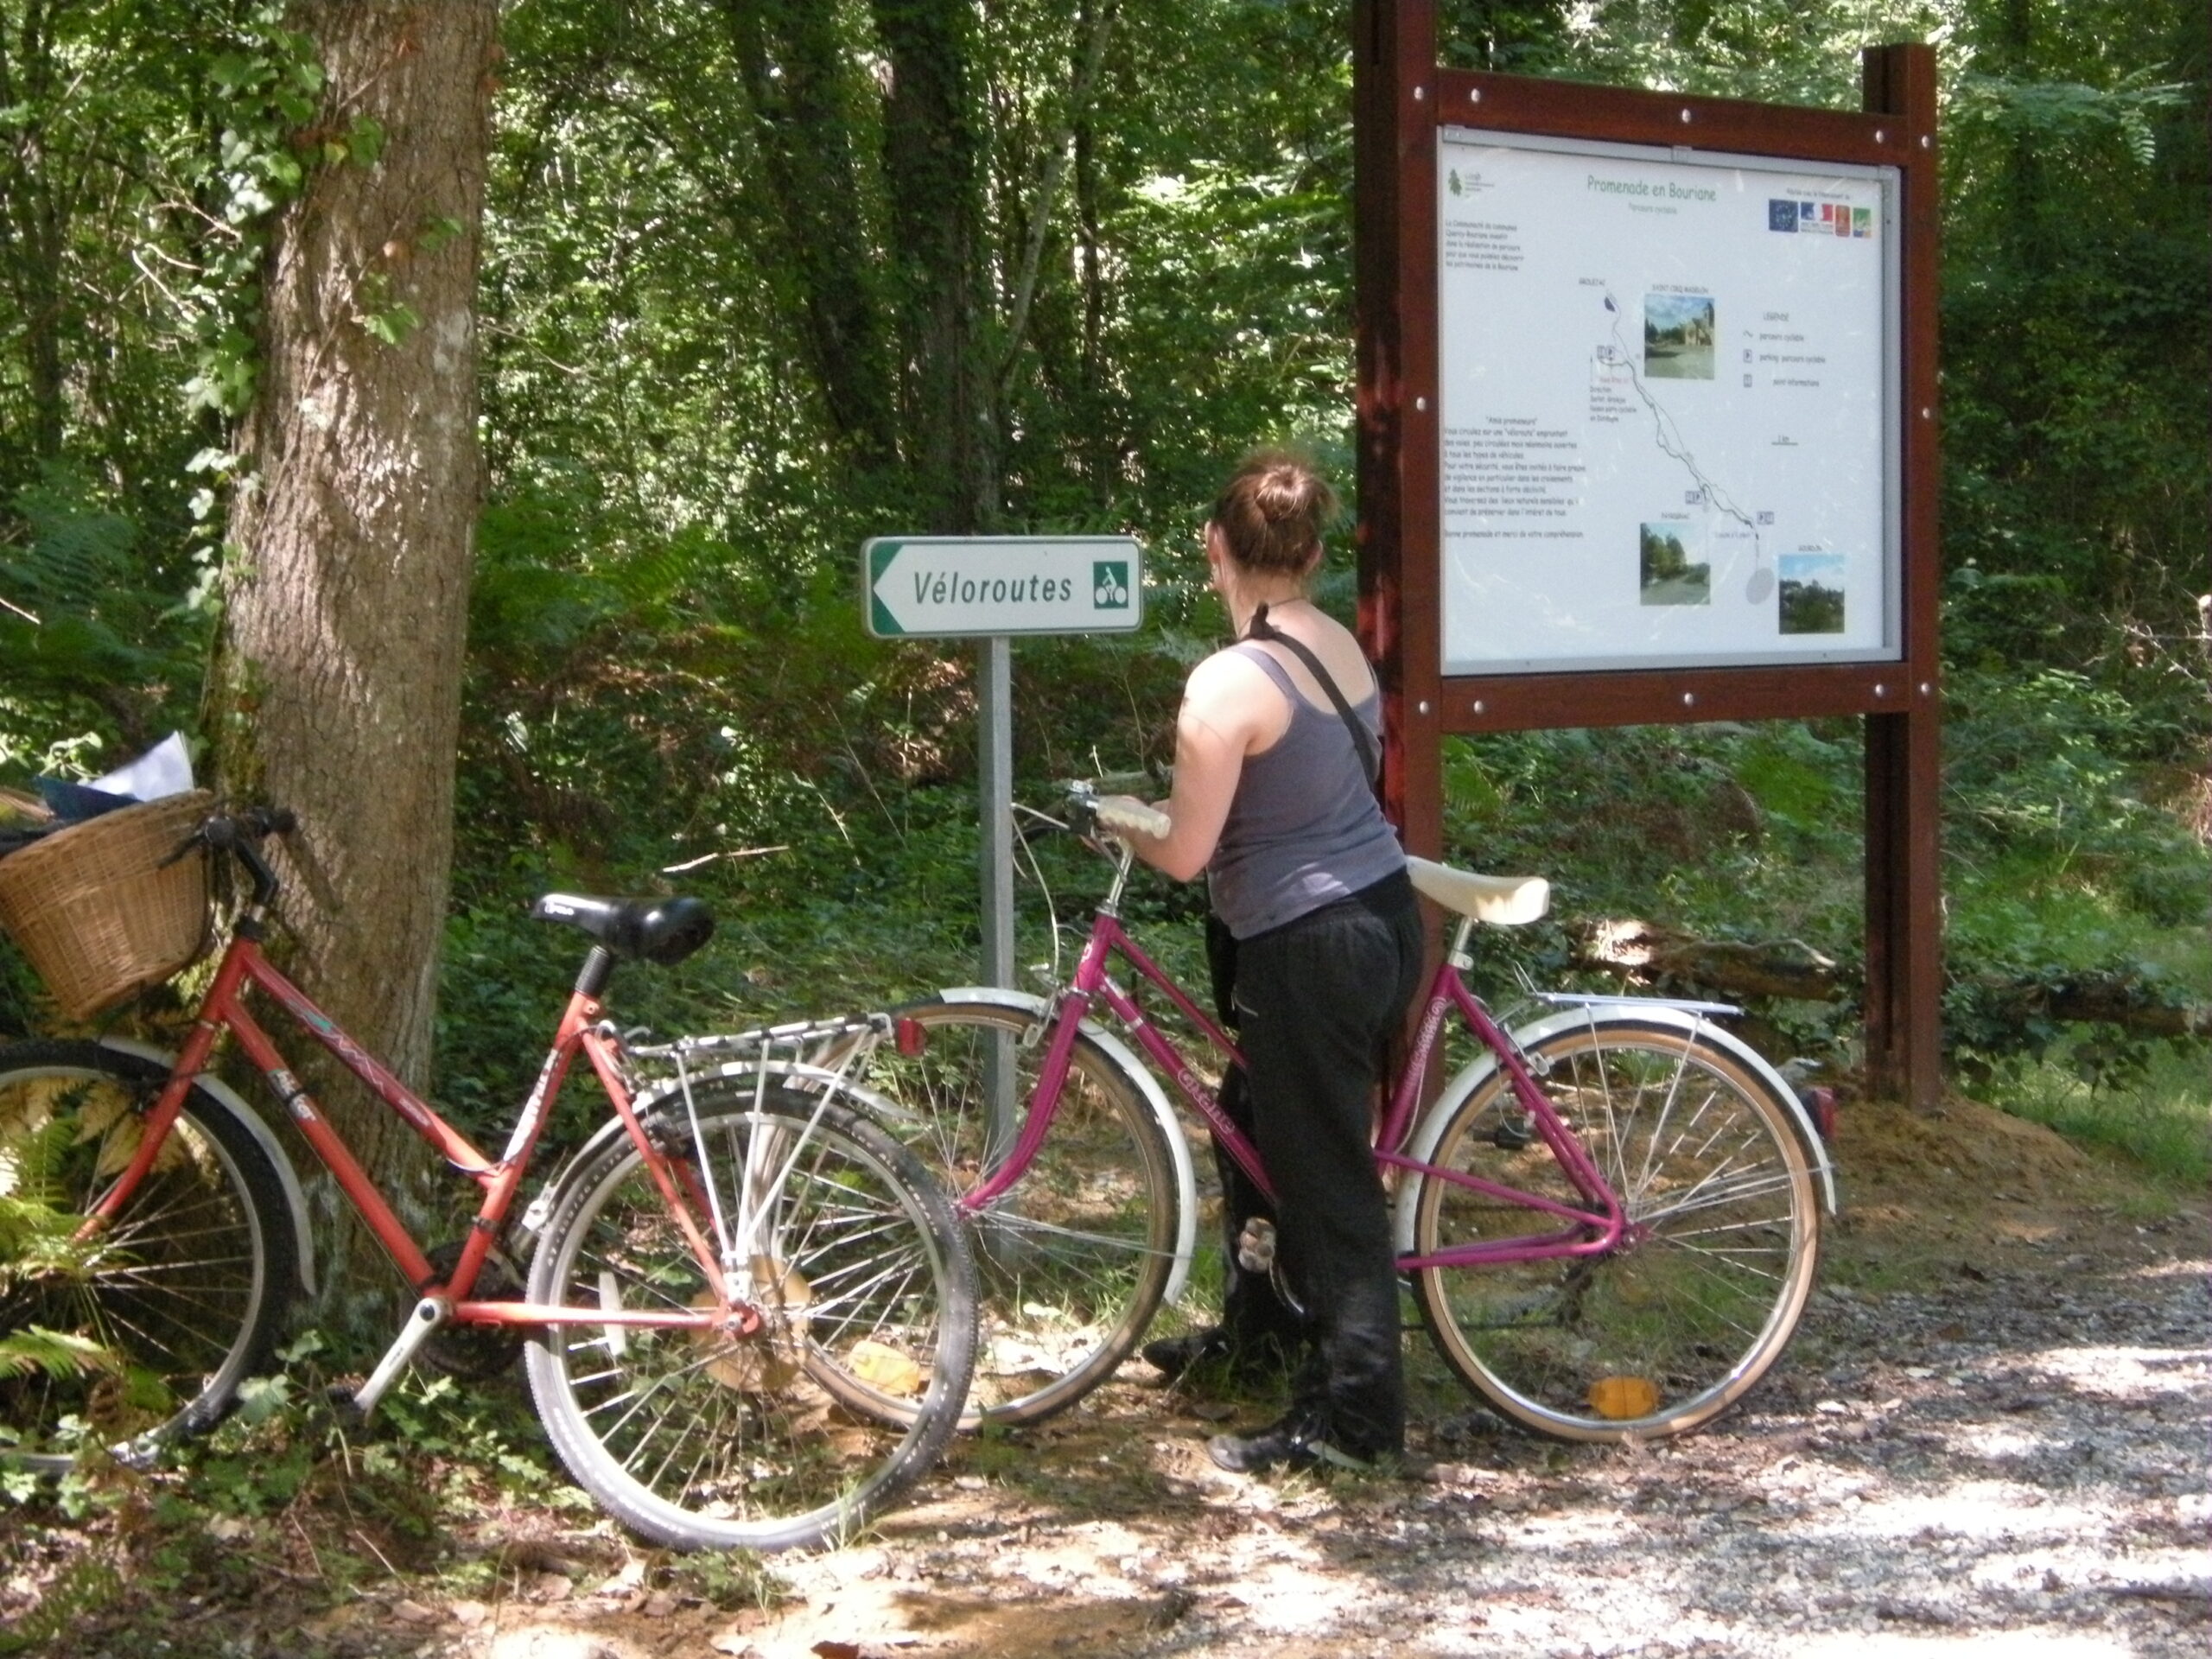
1273	511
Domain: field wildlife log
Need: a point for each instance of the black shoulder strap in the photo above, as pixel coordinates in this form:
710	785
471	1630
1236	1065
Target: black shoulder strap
1362	740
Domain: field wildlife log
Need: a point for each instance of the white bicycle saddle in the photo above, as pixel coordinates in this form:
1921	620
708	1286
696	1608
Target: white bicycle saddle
1500	900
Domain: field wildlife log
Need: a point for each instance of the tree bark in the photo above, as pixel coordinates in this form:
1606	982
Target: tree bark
34	222
338	685
933	172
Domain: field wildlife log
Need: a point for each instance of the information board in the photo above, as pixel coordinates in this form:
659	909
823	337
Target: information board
1669	391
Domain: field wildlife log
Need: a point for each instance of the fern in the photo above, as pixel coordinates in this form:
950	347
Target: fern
38	1239
58	1354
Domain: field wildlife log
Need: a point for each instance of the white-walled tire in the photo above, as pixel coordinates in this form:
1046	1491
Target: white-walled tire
1672	1327
867	1293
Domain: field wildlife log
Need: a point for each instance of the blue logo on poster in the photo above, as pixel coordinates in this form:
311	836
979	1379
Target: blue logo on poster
1781	215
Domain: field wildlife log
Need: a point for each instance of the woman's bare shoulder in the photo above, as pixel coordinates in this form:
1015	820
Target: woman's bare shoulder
1339	650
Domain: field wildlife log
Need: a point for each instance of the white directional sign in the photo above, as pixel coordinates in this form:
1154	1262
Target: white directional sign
970	587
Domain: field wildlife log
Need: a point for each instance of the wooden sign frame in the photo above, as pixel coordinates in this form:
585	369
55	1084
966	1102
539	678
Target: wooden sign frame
1401	99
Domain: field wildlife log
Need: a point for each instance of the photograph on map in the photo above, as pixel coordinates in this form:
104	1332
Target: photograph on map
1667	576
1678	336
1812	593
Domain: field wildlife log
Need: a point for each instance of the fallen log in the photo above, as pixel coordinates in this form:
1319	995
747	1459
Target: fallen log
1793	969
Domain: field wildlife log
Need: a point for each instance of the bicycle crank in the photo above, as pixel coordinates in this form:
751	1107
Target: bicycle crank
476	1352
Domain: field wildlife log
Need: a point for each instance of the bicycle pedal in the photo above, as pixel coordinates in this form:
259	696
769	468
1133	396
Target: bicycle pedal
345	1406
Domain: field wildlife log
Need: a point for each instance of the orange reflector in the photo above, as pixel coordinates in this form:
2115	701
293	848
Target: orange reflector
912	1036
1622	1397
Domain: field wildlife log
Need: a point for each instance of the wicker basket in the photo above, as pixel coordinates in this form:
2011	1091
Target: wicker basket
99	912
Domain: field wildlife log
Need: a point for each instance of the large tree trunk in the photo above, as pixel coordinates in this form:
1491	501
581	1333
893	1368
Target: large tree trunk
339	688
933	176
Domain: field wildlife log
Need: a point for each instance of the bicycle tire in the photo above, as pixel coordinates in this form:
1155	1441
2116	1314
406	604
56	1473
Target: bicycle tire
1663	1334
868	1292
1075	1260
171	1349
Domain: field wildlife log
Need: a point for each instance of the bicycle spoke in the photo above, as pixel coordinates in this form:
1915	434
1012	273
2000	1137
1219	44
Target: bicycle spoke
704	1436
181	1286
1668	1329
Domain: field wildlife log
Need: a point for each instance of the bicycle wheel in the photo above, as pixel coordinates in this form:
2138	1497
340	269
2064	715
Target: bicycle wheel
1671	1328
701	1439
171	1306
1074	1260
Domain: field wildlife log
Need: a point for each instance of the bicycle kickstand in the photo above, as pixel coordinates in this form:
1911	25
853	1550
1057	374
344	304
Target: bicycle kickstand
429	1313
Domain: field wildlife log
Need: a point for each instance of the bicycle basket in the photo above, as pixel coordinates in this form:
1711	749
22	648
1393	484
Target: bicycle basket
98	910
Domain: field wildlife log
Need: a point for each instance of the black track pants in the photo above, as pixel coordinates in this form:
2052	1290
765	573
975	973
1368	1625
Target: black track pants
1316	1000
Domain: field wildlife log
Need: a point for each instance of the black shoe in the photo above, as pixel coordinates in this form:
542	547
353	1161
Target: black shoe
1299	1442
1174	1357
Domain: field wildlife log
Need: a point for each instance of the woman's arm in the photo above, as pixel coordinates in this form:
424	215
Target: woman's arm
1229	710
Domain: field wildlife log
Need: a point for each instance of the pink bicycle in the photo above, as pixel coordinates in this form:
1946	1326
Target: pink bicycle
1609	1217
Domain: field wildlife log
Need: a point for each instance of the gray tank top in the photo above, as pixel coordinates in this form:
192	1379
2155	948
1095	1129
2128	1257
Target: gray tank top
1304	829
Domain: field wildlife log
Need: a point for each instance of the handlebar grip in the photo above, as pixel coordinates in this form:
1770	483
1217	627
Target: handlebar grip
231	832
1126	816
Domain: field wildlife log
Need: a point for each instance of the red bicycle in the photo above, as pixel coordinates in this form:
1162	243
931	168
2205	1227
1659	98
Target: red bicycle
748	1316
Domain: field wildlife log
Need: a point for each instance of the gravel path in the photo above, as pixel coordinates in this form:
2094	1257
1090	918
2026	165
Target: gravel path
2014	1461
1989	1437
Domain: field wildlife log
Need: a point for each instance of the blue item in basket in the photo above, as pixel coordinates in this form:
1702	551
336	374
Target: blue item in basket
74	803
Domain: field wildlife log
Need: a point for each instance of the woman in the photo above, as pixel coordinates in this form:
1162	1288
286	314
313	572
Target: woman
1274	799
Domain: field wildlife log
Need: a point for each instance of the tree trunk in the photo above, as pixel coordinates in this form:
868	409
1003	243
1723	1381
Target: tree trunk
338	688
1792	970
34	226
796	70
933	173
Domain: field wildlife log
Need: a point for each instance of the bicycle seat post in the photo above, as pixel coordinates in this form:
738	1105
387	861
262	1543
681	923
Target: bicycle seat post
1459	956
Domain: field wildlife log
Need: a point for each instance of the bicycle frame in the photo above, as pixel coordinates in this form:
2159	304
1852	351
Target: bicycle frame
1590	1231
223	1009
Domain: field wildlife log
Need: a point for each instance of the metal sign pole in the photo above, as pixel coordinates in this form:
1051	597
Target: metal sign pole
995	774
987	588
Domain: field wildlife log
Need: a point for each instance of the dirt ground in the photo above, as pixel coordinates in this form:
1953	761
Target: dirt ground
1988	1437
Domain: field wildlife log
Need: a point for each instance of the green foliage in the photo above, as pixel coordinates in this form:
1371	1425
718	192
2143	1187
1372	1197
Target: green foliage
700	376
2063	863
269	81
38	1238
2155	1113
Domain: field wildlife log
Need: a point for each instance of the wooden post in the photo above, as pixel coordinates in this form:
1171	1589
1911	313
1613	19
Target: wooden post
1394	146
1905	778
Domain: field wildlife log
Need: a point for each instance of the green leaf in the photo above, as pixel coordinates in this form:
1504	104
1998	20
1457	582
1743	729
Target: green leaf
365	140
393	323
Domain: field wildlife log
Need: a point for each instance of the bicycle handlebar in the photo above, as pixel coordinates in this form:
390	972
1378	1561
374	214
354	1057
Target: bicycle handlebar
1089	813
235	833
1121	816
230	831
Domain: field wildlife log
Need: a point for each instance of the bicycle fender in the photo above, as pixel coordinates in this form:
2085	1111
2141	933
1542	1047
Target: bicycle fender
255	1125
1140	1076
1422	1146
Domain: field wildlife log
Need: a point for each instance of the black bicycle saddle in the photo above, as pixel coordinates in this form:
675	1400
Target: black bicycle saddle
652	930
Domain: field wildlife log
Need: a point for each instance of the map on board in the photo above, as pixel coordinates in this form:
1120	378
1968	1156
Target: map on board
1668	407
